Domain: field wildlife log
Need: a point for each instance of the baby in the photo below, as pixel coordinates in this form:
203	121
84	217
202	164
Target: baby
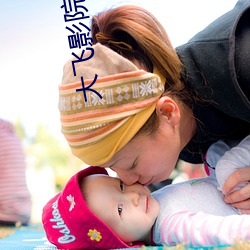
96	211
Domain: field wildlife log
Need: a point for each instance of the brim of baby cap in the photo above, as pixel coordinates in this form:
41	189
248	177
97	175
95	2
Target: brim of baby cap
98	128
69	224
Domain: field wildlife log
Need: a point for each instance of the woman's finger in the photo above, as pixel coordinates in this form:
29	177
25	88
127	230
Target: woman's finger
245	211
239	176
241	195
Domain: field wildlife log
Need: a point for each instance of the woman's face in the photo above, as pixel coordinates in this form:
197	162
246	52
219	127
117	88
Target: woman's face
147	159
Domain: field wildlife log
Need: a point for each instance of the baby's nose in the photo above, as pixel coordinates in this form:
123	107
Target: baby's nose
133	197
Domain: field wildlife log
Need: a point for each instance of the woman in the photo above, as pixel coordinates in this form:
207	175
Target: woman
206	96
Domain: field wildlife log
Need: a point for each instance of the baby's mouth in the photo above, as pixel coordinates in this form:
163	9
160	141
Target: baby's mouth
147	202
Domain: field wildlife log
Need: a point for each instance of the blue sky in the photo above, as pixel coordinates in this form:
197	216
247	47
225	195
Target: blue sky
34	48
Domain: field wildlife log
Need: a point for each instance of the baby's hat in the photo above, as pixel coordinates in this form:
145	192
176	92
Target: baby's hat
69	223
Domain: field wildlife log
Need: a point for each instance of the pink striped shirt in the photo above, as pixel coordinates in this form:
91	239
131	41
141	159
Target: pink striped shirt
202	229
15	200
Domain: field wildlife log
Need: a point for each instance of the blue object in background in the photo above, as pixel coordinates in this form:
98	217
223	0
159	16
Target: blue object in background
33	238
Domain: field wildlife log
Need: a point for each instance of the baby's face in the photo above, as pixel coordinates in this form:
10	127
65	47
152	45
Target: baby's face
130	211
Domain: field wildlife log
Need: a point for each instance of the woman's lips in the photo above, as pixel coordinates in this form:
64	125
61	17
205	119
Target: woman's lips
148	183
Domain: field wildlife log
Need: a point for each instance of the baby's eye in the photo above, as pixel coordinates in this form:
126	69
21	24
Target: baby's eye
120	206
121	186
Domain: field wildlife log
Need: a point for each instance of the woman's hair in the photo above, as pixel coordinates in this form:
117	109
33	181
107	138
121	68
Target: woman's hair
137	35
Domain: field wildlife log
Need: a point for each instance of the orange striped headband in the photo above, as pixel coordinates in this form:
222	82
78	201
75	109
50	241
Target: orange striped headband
96	128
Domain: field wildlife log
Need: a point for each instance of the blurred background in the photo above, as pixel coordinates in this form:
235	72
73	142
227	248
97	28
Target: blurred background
33	49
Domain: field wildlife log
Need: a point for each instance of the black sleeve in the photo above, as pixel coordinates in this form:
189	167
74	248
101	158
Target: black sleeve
242	53
217	66
217	58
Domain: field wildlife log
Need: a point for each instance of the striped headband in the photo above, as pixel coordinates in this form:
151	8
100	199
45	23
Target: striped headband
99	124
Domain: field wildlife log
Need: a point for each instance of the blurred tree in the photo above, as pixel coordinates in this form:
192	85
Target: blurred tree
20	130
45	150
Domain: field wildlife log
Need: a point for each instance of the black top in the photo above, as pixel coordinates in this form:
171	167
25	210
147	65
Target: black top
217	67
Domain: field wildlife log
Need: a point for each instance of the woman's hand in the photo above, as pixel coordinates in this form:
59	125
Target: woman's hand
241	197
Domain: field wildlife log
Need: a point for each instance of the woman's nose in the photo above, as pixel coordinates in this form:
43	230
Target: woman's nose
126	177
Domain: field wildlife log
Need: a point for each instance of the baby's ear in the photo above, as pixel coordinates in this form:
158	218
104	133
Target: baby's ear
168	109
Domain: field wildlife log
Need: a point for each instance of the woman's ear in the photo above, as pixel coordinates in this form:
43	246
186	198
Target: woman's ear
168	109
